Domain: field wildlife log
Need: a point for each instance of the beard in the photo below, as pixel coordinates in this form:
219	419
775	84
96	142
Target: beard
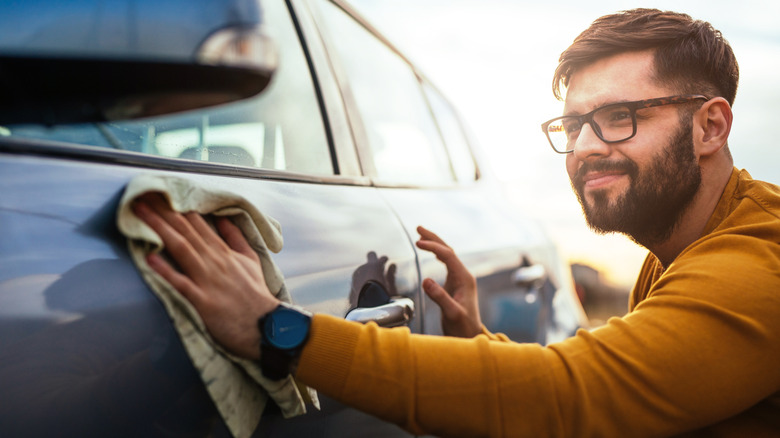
656	199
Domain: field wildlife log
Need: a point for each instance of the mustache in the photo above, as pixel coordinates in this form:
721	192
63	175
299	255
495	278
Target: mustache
626	166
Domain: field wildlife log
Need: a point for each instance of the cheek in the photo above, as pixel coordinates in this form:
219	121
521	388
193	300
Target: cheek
572	164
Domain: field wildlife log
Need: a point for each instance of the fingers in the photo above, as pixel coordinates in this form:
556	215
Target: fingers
441	251
433	243
190	225
179	246
458	298
449	306
154	209
426	234
234	237
179	282
456	320
204	233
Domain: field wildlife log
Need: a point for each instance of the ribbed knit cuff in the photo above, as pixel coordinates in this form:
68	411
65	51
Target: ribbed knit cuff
326	359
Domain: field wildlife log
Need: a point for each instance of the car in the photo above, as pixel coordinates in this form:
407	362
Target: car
302	108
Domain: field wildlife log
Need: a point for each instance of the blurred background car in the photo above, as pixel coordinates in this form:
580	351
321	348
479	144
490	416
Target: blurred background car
301	107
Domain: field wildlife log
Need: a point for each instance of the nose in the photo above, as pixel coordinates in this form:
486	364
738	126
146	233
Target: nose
589	145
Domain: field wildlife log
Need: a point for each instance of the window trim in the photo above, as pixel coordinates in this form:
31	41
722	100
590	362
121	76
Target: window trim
326	85
25	146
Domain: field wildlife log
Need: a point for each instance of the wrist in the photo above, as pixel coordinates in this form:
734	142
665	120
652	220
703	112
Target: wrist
269	306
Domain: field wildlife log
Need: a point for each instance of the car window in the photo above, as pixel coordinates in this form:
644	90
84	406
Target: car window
282	128
404	141
451	129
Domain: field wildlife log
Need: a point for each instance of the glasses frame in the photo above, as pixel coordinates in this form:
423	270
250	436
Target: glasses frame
632	106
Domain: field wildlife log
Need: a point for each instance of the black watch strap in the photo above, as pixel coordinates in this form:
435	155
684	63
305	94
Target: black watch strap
274	363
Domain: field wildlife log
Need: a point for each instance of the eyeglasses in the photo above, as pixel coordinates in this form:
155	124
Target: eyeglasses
612	123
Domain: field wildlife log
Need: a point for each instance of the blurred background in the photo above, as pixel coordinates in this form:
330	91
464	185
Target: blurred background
495	60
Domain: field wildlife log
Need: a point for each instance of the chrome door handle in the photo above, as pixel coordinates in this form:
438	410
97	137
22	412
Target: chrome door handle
398	311
530	276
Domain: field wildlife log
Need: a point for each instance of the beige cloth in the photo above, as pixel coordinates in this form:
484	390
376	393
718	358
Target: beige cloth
236	385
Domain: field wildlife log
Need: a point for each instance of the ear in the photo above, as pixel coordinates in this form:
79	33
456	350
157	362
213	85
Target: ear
712	125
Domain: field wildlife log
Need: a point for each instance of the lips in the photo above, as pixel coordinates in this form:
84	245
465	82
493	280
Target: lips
594	180
598	174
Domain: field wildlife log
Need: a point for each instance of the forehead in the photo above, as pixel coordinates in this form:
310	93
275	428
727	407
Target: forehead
622	77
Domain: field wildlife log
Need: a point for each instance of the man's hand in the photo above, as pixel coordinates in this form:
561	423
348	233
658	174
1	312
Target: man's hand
221	278
458	298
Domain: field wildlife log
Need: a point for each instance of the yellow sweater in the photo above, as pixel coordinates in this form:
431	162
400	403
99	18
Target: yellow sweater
699	351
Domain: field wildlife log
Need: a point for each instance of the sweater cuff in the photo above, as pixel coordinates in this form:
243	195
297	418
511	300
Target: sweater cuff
327	356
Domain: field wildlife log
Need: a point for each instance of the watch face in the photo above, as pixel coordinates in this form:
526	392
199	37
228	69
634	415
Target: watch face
286	328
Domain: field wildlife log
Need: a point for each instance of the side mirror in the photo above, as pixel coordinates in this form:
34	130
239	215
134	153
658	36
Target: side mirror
91	61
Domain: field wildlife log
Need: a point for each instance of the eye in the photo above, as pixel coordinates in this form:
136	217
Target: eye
571	126
613	116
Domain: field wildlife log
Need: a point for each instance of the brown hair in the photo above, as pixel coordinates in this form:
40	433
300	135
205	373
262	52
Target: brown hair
690	54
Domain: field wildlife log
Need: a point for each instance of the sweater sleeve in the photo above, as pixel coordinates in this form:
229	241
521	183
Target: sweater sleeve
394	375
495	336
704	346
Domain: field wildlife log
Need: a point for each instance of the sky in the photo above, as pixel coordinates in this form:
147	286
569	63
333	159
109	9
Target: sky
495	59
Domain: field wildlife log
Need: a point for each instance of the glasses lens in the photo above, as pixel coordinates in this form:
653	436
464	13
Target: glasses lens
615	122
559	131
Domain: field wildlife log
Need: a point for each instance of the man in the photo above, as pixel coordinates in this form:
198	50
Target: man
646	124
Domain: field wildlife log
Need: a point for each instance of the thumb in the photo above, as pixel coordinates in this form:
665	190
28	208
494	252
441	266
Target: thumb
440	296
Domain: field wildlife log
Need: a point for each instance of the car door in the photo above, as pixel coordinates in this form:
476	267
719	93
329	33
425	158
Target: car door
86	349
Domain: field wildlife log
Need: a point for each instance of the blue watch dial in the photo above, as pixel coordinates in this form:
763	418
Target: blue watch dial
286	328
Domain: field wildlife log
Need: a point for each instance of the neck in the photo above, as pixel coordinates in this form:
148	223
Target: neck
692	223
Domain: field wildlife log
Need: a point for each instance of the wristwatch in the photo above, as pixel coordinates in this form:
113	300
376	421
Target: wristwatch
283	332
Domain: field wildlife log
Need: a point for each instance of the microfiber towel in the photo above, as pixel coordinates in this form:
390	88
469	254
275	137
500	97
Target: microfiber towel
236	385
